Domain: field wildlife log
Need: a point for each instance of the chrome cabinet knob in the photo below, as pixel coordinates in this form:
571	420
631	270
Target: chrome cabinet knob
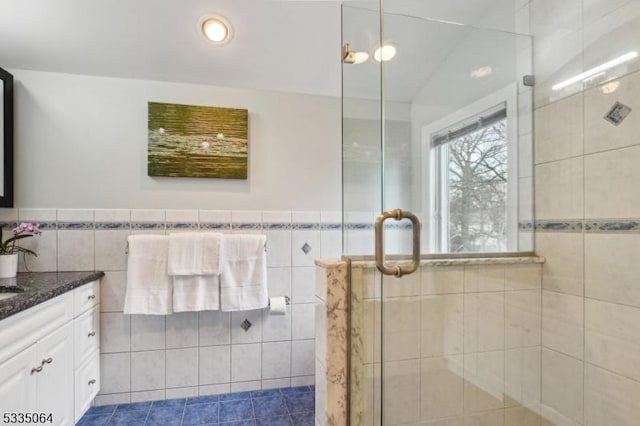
90	297
92	382
36	369
47	361
93	333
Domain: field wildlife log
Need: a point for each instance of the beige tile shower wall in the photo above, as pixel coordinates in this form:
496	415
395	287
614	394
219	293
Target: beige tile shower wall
460	344
157	357
587	173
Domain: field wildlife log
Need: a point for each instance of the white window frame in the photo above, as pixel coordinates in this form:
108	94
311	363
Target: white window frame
430	176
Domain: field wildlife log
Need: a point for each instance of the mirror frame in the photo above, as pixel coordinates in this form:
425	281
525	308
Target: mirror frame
6	200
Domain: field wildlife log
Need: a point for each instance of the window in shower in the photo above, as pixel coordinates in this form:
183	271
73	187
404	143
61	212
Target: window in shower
469	164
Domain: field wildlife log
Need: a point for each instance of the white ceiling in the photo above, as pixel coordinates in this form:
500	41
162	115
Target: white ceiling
290	46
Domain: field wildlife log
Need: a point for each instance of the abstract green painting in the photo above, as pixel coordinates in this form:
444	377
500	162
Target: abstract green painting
197	141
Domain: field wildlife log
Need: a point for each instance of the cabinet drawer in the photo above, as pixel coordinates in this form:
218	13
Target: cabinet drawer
85	297
86	335
25	328
87	384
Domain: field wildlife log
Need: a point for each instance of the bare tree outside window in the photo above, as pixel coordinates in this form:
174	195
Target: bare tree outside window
477	180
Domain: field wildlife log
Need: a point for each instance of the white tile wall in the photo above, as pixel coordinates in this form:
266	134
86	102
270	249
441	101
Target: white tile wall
215	364
246	362
191	353
182	367
148	371
147	332
182	330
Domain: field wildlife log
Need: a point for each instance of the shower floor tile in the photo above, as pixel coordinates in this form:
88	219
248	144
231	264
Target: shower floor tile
273	407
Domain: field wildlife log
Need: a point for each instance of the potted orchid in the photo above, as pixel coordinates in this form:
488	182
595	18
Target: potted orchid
9	249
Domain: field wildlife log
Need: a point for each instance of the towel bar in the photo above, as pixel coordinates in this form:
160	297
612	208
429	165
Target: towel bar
126	249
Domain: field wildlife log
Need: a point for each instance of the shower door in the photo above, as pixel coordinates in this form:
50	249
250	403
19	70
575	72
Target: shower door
434	124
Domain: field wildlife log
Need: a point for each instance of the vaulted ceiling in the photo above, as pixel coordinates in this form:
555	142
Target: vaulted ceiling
290	46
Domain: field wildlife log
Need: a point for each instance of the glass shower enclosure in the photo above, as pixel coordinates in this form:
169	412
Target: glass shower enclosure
437	143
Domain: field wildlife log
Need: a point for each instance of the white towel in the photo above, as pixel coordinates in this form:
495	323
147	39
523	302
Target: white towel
243	272
149	288
194	253
194	263
192	293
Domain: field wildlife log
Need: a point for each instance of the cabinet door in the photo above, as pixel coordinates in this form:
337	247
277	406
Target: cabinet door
17	384
55	381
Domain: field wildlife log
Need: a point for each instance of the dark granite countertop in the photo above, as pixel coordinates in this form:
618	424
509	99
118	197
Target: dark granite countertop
37	287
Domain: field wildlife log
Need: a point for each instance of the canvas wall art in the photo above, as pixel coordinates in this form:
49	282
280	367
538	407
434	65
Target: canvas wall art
197	141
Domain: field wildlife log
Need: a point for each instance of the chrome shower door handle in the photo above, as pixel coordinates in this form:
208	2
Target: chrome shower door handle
397	270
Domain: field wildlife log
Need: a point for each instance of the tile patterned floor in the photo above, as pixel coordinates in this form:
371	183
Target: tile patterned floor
274	407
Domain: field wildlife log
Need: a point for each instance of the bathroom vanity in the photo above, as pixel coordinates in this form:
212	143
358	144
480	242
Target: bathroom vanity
50	346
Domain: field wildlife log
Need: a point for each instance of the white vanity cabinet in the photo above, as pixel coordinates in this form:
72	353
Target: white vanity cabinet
49	357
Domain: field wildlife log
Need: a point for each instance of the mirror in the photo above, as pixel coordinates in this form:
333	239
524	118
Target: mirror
6	139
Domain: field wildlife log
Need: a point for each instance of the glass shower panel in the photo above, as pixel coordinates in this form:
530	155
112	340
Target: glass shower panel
361	126
451	119
457	136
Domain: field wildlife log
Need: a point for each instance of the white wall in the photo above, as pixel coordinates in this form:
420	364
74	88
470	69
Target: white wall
82	142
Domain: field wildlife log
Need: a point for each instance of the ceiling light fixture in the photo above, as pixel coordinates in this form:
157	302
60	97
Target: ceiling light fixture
610	87
482	72
385	53
216	29
596	70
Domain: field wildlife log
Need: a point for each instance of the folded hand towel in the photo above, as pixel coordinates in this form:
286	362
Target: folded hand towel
243	272
192	293
149	288
194	253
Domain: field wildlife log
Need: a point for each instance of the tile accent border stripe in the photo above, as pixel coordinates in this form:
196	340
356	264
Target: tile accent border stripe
616	226
553	225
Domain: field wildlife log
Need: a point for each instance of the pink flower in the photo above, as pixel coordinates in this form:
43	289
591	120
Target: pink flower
26	227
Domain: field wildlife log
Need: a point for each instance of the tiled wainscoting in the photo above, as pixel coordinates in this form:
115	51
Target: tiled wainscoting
275	407
461	343
183	355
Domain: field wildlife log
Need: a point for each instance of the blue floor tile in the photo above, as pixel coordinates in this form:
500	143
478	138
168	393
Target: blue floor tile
236	410
200	414
240	423
298	389
95	420
101	409
274	421
168	416
300	402
169	403
269	407
264	393
235	396
128	418
136	406
303	419
203	399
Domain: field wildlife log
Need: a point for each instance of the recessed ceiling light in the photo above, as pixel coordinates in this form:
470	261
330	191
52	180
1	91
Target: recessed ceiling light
482	72
215	29
384	53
